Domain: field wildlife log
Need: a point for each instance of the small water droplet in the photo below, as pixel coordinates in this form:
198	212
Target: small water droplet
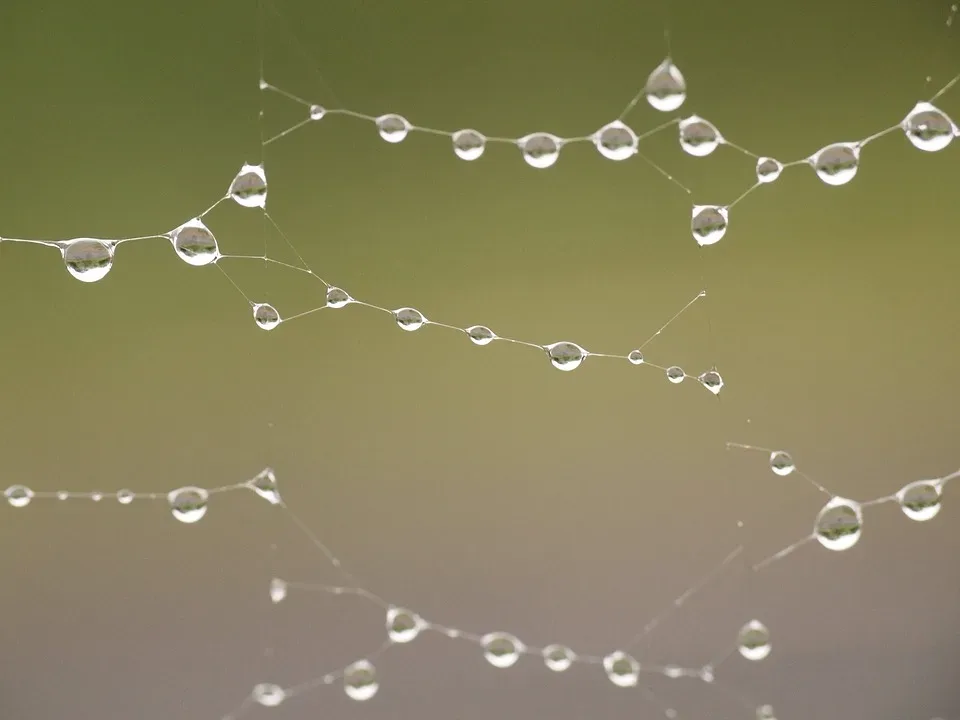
480	335
360	680
194	243
278	590
839	524
837	164
63	495
558	657
666	89
675	374
337	298
265	485
266	316
768	169
565	355
622	669
501	649
708	224
188	504
249	187
393	128
540	150
88	259
317	112
765	712
698	137
920	500
268	694
712	381
929	128
96	496
616	141
469	144
125	497
18	495
753	641
781	463
403	625
409	319
635	357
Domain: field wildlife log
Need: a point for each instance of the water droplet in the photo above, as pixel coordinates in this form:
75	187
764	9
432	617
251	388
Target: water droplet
500	649
698	137
712	381
709	223
753	641
337	298
540	150
393	128
63	495
836	164
360	680
468	144
929	128
278	590
403	625
480	335
266	316
768	169
409	319
88	259
674	672
635	357
781	463
317	112
666	89
268	694
249	187
558	657
765	712
194	243
566	355
839	524
622	669
675	374
18	495
920	500
125	497
615	141
188	504
265	485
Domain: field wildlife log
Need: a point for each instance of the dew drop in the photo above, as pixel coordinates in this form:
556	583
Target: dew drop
929	128
88	259
125	497
469	144
540	150
768	169
317	112
565	355
63	495
393	128
635	357
403	625
360	680
500	649
837	164
337	298
265	485
920	500
666	89
18	495
480	335
712	381
249	187
839	524
753	641
266	316
781	463
194	243
675	374
558	657
409	319
622	669
278	590
616	141
698	137
96	496
765	712
708	224
268	694
188	504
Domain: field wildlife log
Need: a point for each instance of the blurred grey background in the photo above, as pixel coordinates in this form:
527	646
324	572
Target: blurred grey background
478	486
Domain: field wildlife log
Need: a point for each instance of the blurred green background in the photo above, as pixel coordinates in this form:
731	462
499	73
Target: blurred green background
478	486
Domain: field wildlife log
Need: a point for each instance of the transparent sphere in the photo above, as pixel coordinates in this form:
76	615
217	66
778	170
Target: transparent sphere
781	463
768	169
753	641
566	356
929	128
393	128
469	144
920	500
266	316
615	141
540	150
249	187
268	694
501	649
125	497
712	381
708	224
558	657
839	524
317	112
360	680
88	259
18	496
403	625
665	88
409	319
188	504
194	243
480	335
698	137
264	484
622	669
337	298
278	590
675	374
635	357
837	164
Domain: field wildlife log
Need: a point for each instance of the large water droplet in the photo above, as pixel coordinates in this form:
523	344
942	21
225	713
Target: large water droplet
265	485
768	169
929	128
920	500
403	625
393	128
18	495
566	355
249	187
753	641
194	243
337	298
501	649
469	144
615	141
266	316
675	374
409	319
837	164
268	694
709	224
558	657
666	89
622	669
698	137
712	381
278	590
839	524
88	259
480	335
188	504
360	680
781	463
540	150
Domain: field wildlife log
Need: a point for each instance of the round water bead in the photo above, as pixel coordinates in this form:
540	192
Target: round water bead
409	319
558	657
469	144
781	463
622	669
265	485
540	150
708	224
920	500
337	298
698	137
96	496
675	374
712	381
18	495
266	316
768	169
615	141
480	335
666	89
393	128
765	712
194	243
278	590
403	625
125	497
929	128
317	112
635	357
836	164
88	259
565	356
268	694
500	649
188	504
360	680
249	187
839	524
753	641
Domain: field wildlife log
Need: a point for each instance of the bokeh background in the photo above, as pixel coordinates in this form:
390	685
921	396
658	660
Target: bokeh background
478	486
